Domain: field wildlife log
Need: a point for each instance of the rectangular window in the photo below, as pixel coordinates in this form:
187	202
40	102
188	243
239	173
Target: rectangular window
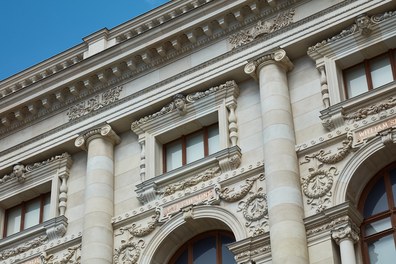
370	74
27	214
191	147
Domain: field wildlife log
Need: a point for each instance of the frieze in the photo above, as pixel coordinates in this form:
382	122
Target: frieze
364	112
34	243
261	28
19	170
363	25
327	226
230	195
255	211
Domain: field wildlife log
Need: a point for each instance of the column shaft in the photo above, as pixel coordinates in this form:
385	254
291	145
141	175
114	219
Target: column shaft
347	251
286	213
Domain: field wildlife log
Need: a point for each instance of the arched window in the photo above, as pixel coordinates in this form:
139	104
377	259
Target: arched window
209	247
378	230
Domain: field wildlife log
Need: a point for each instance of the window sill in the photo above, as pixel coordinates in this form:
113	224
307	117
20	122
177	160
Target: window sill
33	237
189	175
369	104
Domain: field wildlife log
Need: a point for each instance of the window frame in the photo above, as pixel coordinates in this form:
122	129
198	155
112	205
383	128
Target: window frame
23	206
183	138
391	212
391	53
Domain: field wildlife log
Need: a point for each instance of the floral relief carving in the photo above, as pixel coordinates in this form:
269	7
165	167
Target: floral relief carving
23	248
129	251
262	27
94	103
362	113
327	226
317	187
182	185
255	211
72	256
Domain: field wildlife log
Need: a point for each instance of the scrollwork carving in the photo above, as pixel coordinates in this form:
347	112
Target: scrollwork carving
72	256
23	248
364	112
129	252
136	231
230	195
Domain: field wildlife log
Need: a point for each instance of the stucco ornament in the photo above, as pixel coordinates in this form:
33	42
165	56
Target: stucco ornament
364	112
255	211
72	256
317	187
38	241
180	103
230	195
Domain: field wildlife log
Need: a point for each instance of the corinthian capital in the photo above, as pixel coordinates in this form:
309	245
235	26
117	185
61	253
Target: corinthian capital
278	56
105	131
349	231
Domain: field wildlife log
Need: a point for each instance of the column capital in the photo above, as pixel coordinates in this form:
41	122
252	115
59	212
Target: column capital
105	131
347	232
277	56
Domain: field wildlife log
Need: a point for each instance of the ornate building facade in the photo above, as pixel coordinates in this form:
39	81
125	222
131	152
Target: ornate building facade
208	131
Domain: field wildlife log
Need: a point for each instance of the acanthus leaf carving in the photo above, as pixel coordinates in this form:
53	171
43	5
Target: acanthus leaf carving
364	112
34	243
72	256
230	195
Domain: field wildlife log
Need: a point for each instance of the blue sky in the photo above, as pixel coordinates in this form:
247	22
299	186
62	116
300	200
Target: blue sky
35	30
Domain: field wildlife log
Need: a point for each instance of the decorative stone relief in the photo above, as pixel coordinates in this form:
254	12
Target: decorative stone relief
129	251
18	174
255	211
349	231
363	24
182	103
317	187
104	131
231	196
324	86
261	28
232	125
190	182
364	112
23	248
327	226
94	103
72	256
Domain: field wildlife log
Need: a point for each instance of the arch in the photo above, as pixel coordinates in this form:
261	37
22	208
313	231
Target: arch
177	231
364	164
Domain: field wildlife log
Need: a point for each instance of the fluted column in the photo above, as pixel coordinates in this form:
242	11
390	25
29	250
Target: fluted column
285	207
346	236
97	239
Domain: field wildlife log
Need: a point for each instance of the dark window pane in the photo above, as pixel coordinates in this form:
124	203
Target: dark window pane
376	201
227	256
378	226
204	251
183	259
393	182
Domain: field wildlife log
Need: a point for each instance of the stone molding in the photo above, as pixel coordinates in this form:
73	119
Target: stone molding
321	225
105	131
278	56
72	256
252	249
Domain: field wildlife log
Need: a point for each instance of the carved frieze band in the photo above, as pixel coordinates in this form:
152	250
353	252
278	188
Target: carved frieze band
179	103
262	28
363	24
19	170
364	112
36	242
72	256
278	56
94	103
105	131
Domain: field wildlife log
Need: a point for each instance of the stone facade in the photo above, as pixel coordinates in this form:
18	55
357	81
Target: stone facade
295	153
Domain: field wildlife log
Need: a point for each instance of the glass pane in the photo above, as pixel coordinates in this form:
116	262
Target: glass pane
381	71
195	147
376	201
204	251
13	220
173	155
378	226
355	79
32	214
227	256
183	259
393	182
213	139
46	207
382	251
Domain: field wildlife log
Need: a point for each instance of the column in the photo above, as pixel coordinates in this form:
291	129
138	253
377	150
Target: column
285	205
97	239
346	237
